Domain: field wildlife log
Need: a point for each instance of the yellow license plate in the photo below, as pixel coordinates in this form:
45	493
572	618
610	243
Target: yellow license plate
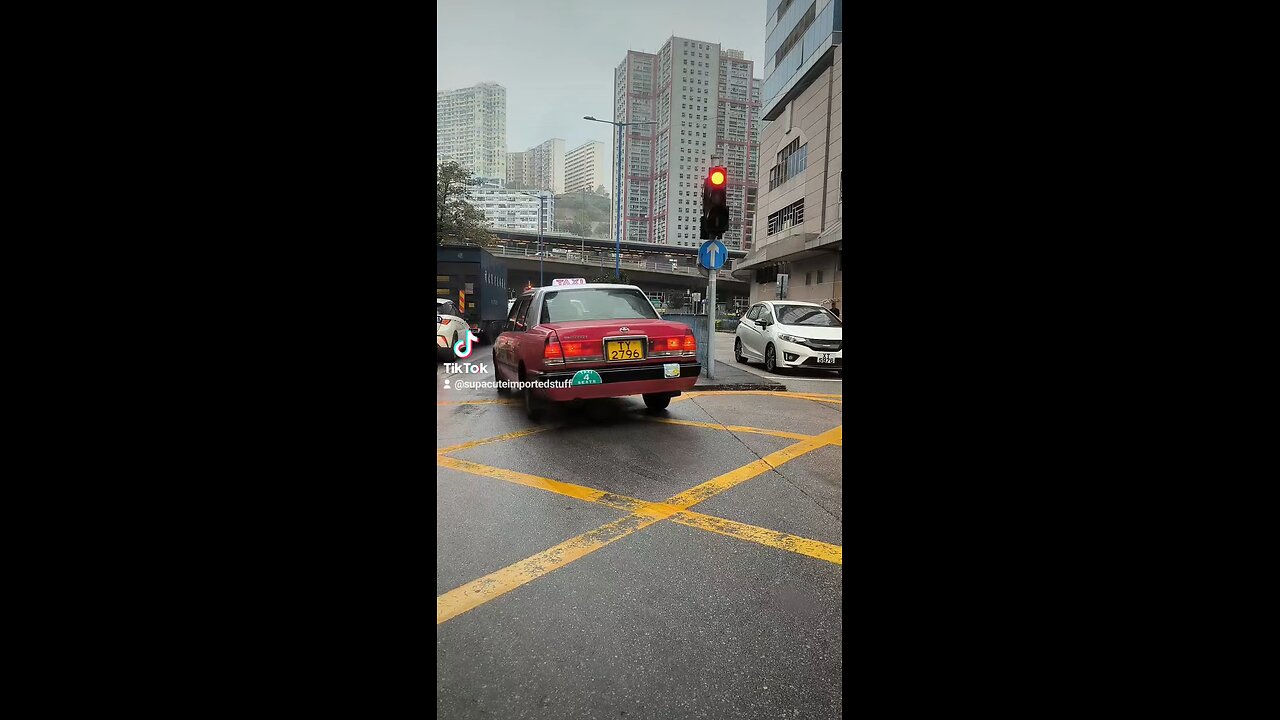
624	349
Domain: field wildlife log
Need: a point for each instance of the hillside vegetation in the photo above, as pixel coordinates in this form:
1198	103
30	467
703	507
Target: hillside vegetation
583	213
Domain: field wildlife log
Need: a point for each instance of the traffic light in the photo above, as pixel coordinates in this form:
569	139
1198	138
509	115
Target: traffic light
715	203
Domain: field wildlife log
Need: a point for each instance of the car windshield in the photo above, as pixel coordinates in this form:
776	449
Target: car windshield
596	304
806	315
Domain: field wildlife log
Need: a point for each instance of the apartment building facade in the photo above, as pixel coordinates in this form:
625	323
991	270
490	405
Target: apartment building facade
503	207
798	230
520	169
704	106
471	129
584	168
538	168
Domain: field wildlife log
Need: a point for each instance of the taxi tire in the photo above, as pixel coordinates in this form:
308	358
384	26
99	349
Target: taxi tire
533	407
657	401
497	376
737	351
770	359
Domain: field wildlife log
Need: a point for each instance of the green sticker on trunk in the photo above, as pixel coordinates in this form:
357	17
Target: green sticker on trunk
586	377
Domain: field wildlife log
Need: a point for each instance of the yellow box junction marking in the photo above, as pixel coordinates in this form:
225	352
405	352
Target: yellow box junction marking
642	513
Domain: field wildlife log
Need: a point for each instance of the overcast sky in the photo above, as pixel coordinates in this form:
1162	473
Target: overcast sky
556	57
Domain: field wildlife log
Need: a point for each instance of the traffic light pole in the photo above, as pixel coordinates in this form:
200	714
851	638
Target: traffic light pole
711	323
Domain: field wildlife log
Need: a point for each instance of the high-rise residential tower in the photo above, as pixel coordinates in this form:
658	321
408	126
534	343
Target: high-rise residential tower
538	168
471	129
584	168
703	102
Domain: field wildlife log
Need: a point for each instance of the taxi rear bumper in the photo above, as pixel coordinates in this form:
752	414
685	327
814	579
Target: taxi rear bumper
619	382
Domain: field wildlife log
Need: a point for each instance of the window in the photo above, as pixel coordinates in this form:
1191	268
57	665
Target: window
522	310
767	275
754	313
788	216
819	277
594	304
808	277
807	316
791	162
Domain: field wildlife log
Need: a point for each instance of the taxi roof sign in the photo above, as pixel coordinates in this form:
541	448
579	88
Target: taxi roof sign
569	281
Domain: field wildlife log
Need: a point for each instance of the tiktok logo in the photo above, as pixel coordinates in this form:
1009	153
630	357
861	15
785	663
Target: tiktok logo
462	348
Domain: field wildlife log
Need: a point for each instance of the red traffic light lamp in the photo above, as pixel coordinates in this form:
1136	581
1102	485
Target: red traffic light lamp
715	203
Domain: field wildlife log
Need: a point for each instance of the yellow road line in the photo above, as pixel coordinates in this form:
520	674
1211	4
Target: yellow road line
764	536
732	428
480	591
478	402
643	514
717	485
655	510
495	438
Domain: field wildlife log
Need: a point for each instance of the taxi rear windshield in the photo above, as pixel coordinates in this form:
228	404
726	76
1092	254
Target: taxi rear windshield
596	304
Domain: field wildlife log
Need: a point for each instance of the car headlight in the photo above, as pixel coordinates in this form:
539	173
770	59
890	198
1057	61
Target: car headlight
791	339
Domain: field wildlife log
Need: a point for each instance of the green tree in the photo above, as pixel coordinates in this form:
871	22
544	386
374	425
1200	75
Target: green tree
578	226
457	220
609	278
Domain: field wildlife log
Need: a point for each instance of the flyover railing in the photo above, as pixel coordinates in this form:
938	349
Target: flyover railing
600	259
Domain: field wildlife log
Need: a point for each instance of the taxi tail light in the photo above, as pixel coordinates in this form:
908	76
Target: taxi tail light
583	350
666	346
552	352
690	344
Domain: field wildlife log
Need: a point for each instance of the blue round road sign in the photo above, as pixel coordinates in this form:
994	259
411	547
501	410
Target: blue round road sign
712	254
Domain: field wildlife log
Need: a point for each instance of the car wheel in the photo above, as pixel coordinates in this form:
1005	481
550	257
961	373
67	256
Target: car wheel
657	401
532	406
737	351
497	376
770	359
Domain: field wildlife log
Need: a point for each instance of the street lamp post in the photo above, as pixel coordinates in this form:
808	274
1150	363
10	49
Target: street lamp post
542	226
617	190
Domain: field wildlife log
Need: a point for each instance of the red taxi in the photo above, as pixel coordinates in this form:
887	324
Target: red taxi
600	340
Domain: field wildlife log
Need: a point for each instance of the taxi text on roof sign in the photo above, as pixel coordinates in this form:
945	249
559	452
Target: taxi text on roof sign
569	281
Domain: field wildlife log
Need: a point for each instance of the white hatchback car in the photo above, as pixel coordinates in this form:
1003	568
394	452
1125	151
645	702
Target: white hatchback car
789	334
450	328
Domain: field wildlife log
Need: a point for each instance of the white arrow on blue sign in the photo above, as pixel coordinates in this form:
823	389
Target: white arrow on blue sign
712	255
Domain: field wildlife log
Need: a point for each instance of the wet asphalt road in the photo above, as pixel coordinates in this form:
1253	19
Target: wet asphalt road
578	577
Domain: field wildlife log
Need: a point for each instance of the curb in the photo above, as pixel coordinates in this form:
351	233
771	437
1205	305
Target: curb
775	387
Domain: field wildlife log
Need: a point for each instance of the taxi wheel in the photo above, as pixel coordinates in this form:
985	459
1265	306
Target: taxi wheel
497	376
770	359
737	351
533	407
657	401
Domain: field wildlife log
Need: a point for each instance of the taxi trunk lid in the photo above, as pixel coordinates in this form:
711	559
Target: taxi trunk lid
583	341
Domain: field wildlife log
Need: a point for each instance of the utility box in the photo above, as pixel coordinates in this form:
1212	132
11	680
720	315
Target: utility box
783	285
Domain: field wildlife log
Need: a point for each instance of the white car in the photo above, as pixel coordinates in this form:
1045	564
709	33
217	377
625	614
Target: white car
790	334
449	327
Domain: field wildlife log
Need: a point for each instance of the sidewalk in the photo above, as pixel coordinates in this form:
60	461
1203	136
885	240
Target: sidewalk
729	377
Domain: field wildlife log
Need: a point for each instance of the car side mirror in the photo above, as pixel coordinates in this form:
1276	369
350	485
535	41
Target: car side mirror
438	319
